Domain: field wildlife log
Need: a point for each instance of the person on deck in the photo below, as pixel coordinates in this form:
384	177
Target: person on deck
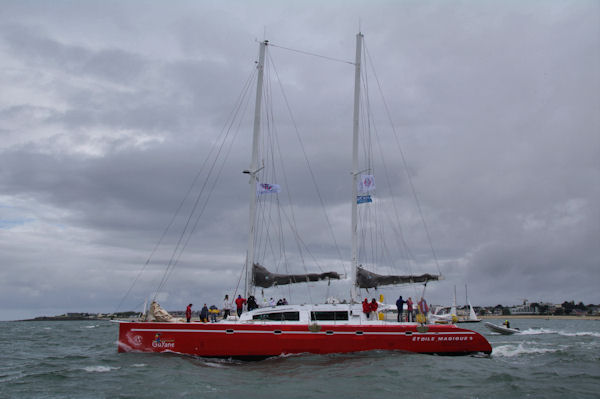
226	307
188	313
410	317
400	306
506	323
366	308
239	303
423	308
373	305
252	303
213	311
204	314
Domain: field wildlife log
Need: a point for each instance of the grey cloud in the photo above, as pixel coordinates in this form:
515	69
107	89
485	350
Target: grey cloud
111	115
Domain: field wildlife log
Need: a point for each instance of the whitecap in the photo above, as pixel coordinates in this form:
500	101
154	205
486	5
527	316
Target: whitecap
211	364
517	350
139	365
99	369
579	334
538	331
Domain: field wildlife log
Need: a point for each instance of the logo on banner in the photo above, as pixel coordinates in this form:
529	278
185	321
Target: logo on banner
266	188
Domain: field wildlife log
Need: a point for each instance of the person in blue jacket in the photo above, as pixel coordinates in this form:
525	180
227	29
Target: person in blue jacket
204	314
400	306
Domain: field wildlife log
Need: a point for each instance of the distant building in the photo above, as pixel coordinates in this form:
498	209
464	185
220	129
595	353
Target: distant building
524	309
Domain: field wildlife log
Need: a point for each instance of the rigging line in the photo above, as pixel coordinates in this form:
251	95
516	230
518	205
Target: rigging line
301	242
174	258
313	54
225	132
215	180
266	216
312	175
414	192
179	248
397	227
276	149
270	155
170	224
220	170
238	283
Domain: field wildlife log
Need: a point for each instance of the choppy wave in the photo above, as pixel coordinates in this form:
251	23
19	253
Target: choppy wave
100	369
580	334
37	363
538	331
512	350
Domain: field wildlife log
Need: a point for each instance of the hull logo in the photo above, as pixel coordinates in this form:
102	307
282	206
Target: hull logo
158	342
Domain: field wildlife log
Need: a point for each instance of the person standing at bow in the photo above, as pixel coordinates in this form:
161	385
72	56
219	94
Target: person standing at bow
188	312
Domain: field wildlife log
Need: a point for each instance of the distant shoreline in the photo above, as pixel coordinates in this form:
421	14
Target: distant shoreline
546	317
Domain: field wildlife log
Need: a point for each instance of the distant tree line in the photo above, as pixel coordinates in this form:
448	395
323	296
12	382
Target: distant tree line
564	309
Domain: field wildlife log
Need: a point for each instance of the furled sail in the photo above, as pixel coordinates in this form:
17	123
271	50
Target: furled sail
157	313
265	279
367	279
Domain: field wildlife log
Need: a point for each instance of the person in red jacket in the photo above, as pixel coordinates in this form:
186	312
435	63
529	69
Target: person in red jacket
188	312
239	303
373	305
366	307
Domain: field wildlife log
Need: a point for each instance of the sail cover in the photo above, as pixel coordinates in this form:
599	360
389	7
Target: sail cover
367	279
265	279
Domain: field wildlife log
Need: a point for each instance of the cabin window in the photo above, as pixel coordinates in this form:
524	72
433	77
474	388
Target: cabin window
335	315
278	316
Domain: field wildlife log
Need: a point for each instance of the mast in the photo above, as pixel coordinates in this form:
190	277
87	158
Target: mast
355	171
254	169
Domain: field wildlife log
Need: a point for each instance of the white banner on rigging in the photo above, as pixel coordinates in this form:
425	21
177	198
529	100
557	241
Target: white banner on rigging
266	188
366	183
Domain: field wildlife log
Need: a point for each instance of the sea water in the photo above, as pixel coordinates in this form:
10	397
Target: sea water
79	359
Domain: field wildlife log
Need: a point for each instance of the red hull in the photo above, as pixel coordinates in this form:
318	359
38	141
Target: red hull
250	341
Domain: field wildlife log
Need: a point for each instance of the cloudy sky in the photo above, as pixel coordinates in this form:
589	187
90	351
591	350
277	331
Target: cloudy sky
109	108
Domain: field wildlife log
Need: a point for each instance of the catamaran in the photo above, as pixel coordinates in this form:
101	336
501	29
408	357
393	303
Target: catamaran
335	327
